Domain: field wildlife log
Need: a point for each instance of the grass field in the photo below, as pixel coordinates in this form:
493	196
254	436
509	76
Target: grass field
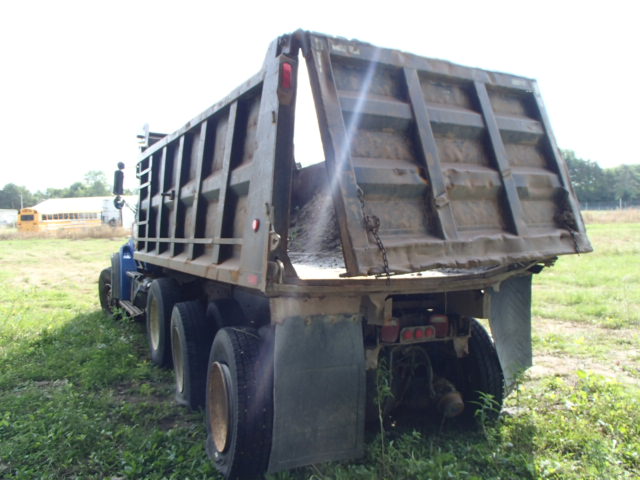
79	399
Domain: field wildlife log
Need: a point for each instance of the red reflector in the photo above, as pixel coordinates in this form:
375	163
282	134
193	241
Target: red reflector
407	335
286	76
255	225
419	333
252	279
441	324
389	333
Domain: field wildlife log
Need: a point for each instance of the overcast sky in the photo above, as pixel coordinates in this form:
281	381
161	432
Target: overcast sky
78	79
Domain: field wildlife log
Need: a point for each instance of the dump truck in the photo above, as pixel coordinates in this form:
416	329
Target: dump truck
282	295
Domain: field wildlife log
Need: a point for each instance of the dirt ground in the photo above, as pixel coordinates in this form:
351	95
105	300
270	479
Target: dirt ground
613	353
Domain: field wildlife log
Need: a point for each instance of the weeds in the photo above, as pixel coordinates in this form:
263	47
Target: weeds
488	410
383	395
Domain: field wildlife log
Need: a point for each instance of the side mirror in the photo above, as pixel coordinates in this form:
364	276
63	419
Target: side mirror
118	180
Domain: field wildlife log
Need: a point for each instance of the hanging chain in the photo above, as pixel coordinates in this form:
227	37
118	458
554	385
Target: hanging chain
372	224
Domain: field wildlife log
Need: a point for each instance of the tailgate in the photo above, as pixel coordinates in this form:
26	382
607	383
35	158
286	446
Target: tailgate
437	165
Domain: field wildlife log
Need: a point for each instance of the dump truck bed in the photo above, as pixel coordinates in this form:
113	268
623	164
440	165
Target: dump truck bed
429	165
453	166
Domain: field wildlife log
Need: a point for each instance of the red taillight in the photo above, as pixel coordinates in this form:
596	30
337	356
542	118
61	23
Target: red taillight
286	75
441	324
255	225
416	334
389	333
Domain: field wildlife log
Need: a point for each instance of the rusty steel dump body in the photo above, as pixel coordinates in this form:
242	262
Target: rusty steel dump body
441	194
451	166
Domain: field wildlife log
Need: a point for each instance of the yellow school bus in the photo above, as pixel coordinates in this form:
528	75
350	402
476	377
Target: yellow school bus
29	220
62	213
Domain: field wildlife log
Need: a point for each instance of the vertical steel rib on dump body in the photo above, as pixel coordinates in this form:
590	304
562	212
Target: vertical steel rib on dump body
202	186
458	164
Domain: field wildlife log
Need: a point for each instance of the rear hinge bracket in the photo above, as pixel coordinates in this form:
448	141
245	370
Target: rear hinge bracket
274	237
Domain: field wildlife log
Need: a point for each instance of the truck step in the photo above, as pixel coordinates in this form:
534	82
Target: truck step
130	308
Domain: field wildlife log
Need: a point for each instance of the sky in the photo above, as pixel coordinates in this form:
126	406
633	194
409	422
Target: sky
79	79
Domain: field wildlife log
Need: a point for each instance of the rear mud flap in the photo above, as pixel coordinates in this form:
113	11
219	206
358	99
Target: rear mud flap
511	326
319	390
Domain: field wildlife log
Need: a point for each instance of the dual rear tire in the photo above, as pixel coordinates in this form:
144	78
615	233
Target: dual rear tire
191	338
179	336
239	403
163	294
231	375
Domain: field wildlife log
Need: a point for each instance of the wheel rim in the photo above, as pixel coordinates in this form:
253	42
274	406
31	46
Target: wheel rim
154	324
218	405
178	363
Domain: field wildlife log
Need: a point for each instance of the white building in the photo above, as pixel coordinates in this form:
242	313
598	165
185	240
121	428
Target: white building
8	217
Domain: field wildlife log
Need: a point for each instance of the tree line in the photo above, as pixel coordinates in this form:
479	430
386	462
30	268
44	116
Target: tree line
94	184
596	185
592	184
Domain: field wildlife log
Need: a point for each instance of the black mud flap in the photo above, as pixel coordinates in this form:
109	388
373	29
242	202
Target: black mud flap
319	391
511	326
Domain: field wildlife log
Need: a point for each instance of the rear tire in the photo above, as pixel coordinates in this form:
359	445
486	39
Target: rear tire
239	403
191	338
481	376
163	294
105	291
225	312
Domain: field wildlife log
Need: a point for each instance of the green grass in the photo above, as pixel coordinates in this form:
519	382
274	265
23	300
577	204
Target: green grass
600	288
589	429
79	399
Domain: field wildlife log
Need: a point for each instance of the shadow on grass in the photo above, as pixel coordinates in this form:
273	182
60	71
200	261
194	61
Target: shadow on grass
82	401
